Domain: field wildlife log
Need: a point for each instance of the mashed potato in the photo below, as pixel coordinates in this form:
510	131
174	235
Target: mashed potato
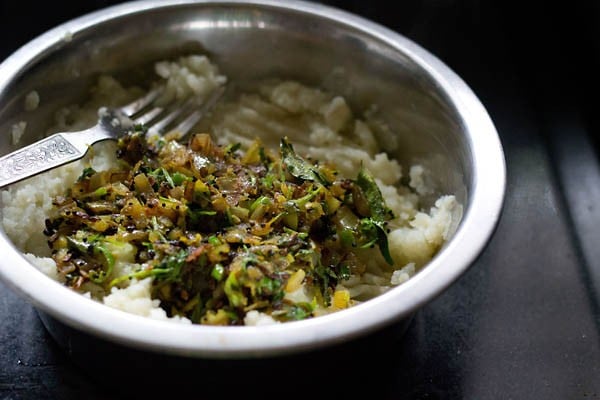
321	125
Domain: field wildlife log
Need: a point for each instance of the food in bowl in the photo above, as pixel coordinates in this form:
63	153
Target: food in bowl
280	207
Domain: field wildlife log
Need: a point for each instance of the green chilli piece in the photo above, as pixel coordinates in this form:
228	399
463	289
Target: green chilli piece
99	277
233	291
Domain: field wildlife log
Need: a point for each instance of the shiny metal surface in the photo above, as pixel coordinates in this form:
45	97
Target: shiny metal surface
64	147
438	120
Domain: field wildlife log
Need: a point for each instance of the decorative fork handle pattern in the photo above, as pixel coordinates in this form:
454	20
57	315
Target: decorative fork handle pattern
38	157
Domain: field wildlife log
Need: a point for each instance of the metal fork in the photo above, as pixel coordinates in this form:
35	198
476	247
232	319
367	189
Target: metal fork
64	147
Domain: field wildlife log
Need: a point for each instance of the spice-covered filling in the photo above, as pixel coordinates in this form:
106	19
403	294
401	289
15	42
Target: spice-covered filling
222	230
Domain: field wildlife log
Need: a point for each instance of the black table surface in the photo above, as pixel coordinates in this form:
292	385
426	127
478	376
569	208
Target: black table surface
522	323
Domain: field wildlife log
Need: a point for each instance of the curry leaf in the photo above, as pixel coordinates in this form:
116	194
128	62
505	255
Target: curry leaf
298	166
374	232
170	268
379	211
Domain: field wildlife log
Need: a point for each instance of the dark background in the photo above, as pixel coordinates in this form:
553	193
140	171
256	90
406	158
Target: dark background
522	323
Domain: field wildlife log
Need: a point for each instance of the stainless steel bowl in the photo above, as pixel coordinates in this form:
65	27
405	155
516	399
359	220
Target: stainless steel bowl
439	122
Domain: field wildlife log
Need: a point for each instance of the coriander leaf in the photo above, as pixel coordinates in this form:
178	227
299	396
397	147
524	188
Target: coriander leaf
269	287
232	148
162	175
87	172
299	311
169	269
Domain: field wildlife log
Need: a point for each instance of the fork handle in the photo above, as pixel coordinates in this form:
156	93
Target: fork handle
50	152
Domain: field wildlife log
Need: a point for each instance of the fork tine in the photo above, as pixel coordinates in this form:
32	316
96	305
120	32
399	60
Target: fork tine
139	104
149	116
159	126
183	128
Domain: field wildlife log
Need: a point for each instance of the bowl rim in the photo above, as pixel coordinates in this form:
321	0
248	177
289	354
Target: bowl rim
476	228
